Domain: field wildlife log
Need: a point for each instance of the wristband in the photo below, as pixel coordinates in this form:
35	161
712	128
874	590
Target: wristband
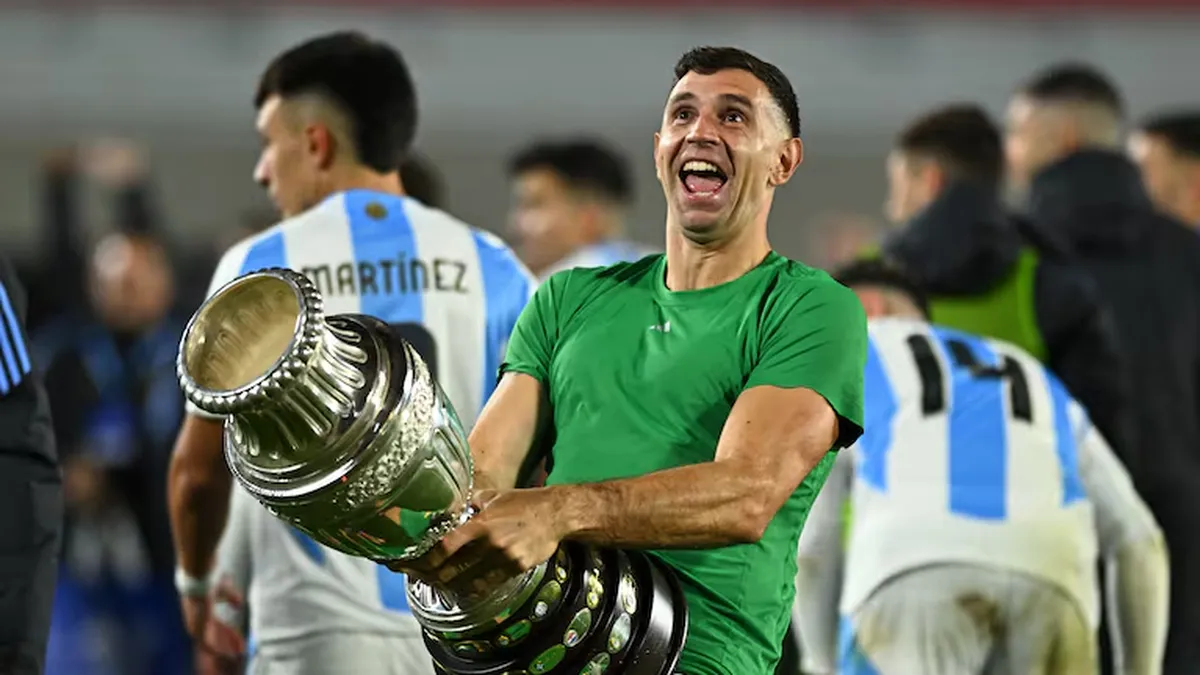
190	586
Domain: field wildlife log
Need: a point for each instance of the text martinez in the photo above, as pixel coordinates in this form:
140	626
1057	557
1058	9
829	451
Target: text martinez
389	277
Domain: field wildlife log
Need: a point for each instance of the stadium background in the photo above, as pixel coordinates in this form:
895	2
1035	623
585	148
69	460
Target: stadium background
176	80
492	74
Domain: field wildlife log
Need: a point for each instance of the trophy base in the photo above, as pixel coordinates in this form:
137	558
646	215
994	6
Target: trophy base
595	611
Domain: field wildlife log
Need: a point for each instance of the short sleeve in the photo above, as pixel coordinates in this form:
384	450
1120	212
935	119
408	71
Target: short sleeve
817	341
531	345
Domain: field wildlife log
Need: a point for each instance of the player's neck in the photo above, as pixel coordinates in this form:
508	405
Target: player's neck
692	266
365	179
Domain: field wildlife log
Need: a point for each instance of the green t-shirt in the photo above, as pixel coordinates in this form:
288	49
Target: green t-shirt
642	379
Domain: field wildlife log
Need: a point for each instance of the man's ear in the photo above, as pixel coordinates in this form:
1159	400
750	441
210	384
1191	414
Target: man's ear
322	144
791	154
657	140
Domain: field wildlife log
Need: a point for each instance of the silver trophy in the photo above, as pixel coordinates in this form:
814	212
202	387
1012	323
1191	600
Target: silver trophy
336	426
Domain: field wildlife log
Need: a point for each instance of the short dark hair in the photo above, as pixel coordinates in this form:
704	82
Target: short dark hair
708	60
1073	82
582	163
422	181
366	80
885	273
1179	128
961	138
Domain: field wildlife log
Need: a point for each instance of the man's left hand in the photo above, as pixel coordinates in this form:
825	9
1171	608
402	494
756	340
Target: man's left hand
514	531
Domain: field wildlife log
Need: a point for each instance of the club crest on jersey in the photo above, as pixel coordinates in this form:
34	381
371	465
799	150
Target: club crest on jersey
375	210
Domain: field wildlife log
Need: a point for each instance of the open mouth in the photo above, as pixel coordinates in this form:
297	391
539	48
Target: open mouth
702	178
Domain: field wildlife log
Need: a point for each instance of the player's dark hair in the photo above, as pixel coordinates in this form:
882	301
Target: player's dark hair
1075	83
1180	129
582	163
365	80
709	60
961	138
422	181
884	273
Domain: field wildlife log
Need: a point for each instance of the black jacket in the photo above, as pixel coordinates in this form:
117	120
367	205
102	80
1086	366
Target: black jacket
26	431
1147	267
965	244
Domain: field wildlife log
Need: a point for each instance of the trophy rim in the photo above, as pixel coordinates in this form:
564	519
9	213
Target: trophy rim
306	334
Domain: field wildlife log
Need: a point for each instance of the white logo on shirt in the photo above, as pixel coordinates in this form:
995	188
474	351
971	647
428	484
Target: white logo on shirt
662	328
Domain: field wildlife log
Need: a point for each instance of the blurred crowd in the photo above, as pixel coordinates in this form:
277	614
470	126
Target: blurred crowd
1109	219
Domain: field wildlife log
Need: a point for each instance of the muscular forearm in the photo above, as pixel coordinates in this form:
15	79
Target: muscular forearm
1138	593
199	504
697	506
198	491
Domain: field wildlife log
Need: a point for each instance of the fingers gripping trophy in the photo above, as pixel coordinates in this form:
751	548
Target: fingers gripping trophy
336	426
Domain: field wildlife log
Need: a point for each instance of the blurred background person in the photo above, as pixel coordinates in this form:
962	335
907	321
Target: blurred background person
569	203
838	237
338	114
423	182
110	372
979	507
1166	149
107	352
31	507
1065	151
988	272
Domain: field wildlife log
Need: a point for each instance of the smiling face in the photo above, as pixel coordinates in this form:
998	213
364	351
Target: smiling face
722	149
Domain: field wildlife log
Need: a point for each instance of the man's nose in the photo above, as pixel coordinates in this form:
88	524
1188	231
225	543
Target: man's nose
261	176
703	130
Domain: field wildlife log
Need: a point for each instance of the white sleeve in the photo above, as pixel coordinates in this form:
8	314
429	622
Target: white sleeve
1122	518
228	269
1135	554
819	570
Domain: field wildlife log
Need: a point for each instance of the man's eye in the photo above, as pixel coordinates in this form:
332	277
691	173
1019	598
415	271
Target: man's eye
735	117
683	114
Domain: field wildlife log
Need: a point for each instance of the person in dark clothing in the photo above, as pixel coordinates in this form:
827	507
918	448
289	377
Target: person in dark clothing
422	181
1064	142
31	508
991	273
108	357
1166	148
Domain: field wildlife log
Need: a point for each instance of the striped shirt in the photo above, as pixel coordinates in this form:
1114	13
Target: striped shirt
455	293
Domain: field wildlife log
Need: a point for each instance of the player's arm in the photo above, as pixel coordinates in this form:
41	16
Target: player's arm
819	571
198	490
1135	552
803	398
14	343
507	430
198	482
511	430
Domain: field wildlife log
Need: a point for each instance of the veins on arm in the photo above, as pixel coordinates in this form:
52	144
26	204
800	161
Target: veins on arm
771	441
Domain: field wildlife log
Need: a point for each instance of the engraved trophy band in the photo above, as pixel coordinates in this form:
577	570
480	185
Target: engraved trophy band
335	425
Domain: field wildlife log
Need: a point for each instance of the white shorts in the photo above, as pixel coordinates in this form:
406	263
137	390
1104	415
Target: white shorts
967	620
343	654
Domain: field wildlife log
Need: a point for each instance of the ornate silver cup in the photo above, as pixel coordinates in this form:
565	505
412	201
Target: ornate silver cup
336	426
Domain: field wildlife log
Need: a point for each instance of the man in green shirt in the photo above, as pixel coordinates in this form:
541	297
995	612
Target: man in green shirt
688	403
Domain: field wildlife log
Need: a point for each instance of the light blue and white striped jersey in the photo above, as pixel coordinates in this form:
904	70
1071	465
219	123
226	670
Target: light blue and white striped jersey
971	453
14	352
603	254
454	292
